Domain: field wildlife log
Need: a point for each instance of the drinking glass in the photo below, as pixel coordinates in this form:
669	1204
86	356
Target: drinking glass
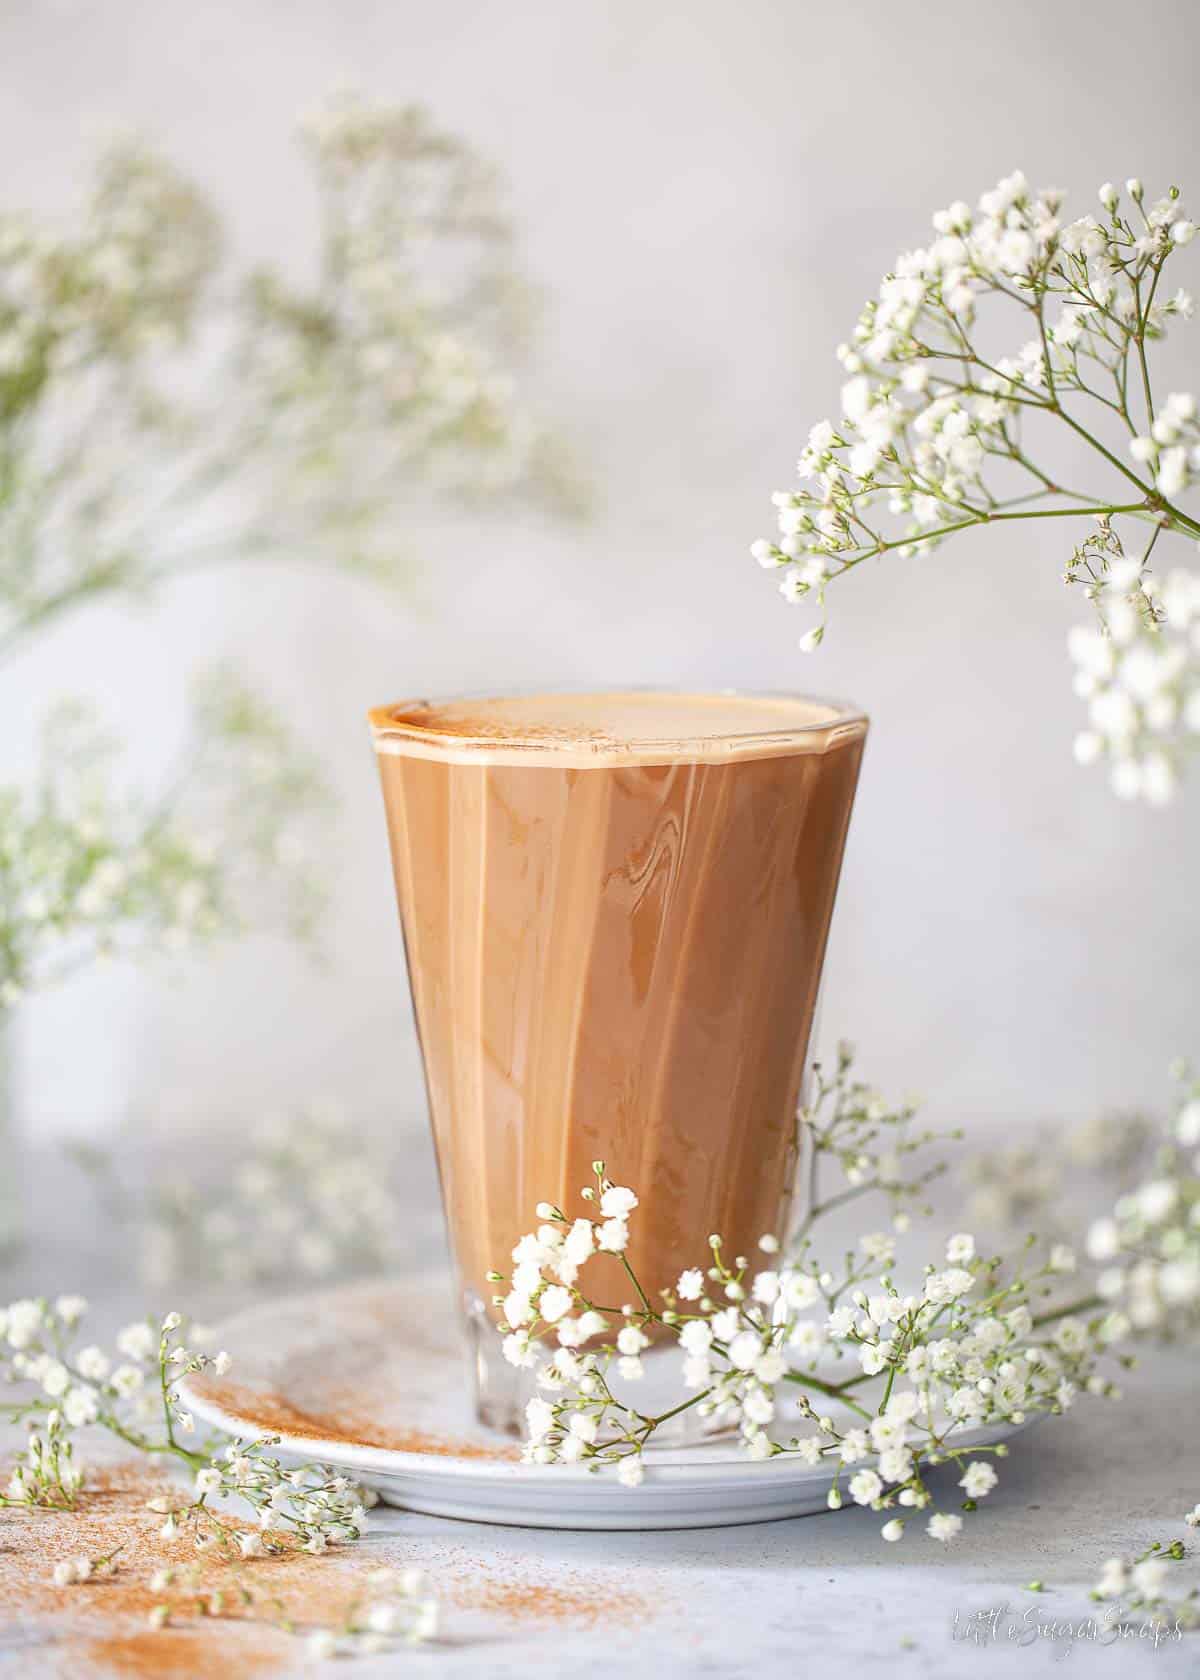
615	938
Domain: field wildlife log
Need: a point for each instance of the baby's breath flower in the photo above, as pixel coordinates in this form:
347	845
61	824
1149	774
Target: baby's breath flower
931	426
309	1507
978	1479
972	1346
267	415
72	1570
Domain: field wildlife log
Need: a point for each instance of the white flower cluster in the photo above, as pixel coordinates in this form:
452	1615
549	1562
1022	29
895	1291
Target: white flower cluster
400	1608
292	432
316	1507
1021	1186
947	1360
305	414
1148	1248
546	1265
1142	1585
74	1387
403	360
983	1341
71	1571
88	871
930	440
311	1196
1138	670
872	1144
127	276
310	1507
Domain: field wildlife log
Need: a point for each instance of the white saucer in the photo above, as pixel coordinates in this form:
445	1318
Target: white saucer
372	1378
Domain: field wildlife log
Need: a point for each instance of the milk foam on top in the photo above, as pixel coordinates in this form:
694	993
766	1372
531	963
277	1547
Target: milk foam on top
619	726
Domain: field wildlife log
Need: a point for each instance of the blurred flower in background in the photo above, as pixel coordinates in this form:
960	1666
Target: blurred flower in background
91	870
1041	1182
309	1195
156	416
159	414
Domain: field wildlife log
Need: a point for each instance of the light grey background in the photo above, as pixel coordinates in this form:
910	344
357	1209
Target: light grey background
707	192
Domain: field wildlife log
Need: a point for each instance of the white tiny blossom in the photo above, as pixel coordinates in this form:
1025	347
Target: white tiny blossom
744	1349
690	1286
696	1337
978	1479
1149	1577
80	1406
137	1341
554	1302
865	1487
613	1236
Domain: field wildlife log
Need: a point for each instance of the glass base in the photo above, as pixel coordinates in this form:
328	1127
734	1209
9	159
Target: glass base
502	1391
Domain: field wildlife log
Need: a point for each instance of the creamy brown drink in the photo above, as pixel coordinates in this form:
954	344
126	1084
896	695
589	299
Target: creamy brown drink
615	910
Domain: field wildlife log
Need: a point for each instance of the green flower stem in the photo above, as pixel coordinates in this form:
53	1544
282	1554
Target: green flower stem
642	1296
1086	1304
193	1460
831	1391
684	1406
985	517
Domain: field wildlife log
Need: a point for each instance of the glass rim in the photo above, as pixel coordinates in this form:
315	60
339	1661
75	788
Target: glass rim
833	719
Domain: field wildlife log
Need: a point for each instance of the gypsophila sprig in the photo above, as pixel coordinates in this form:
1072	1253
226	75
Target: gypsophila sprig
160	415
937	434
310	1195
242	1502
839	1365
1144	1587
1018	1186
270	421
1148	1247
90	870
399	1609
870	1143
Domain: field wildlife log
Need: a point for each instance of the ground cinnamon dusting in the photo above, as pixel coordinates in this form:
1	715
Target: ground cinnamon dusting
172	1654
100	1626
585	1604
341	1419
519	1589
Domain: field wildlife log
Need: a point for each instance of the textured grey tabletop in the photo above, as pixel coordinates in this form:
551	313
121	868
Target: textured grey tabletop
765	1600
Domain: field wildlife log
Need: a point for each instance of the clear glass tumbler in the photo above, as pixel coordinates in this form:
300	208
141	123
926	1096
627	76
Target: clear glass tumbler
615	911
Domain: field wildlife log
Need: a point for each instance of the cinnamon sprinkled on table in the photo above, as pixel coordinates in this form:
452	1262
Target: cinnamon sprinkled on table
100	1626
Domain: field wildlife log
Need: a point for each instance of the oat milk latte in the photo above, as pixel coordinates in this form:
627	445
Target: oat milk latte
615	910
